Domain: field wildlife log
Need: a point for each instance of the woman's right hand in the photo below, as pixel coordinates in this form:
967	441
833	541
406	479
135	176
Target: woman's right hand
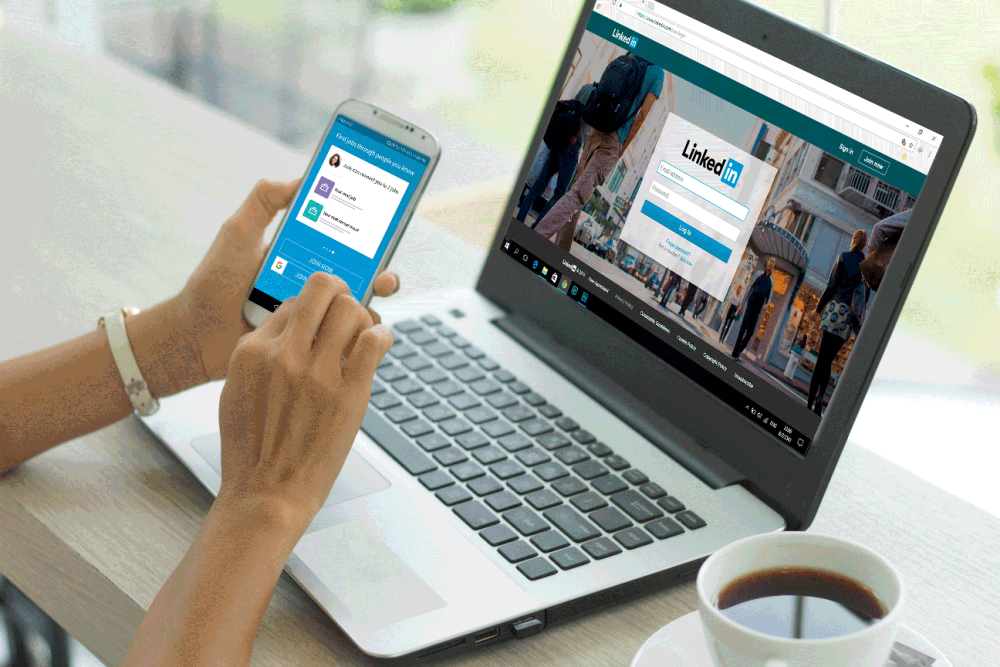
296	392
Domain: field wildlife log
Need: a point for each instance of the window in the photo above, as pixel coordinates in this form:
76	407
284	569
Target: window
791	168
829	170
616	177
801	226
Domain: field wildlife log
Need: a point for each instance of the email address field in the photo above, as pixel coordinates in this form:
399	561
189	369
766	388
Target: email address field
709	194
305	263
714	222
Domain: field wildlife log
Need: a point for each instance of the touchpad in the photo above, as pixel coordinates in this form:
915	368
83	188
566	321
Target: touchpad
371	584
357	478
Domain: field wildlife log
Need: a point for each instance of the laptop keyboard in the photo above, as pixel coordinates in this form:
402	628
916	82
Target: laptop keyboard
533	482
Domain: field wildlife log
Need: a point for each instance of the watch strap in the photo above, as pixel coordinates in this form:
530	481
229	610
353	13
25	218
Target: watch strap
135	385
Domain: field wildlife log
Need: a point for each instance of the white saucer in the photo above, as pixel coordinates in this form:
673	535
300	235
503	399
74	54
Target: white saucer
682	644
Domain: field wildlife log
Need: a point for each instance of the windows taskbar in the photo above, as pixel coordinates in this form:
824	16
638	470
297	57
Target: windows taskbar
675	355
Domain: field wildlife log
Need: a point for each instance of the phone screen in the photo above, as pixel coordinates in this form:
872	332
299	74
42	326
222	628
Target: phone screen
351	203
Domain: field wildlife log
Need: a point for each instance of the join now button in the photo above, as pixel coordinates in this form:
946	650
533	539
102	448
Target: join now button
686	231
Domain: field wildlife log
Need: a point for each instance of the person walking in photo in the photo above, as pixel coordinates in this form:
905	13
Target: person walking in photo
618	106
757	297
689	295
838	320
734	305
671	285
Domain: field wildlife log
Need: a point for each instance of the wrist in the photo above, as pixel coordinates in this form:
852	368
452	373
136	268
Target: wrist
162	349
274	517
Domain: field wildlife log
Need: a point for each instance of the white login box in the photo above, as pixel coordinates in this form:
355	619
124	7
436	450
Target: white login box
689	182
731	232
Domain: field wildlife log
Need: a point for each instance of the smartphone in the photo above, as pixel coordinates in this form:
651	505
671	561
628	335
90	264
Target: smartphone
356	198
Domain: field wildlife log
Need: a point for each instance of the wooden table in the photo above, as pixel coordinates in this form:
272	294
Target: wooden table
111	188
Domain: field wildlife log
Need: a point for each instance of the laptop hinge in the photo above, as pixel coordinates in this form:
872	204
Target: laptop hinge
706	466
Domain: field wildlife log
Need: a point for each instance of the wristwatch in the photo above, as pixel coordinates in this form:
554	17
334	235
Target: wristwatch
135	386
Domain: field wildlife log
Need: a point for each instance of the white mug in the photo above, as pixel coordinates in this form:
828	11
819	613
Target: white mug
733	645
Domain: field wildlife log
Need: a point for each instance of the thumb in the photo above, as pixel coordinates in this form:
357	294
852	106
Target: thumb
265	200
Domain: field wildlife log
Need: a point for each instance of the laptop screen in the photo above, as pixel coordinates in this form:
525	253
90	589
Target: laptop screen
706	198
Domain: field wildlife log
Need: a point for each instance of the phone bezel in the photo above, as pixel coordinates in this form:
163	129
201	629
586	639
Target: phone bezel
394	128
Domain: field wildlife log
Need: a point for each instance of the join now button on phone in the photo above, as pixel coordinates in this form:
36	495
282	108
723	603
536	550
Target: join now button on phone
686	231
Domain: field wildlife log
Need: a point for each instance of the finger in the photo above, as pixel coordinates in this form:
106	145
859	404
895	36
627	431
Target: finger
376	318
386	284
344	320
275	322
264	202
369	348
310	308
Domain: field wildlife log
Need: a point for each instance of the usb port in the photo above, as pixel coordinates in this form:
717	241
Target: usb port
487	635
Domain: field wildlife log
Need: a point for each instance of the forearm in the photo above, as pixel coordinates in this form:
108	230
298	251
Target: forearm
209	610
63	392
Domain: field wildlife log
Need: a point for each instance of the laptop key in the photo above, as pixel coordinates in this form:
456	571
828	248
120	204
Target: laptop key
484	486
436	480
600	548
400	414
653	490
455	426
552	441
416	363
524	484
391	373
550	540
472	439
452	362
590	469
450	456
377	387
567	559
433	442
609	484
518	413
550	411
571	455
439	413
616	462
386	361
437	349
407	326
474	352
519	387
466	471
453	495
534	399
480	415
475	515
637	507
583	437
501	400
634	537
535	427
570	486
422	337
430	320
525	521
599	449
497	535
636	477
459	342
536	568
570	522
670	504
487	364
469	374
488	455
464	401
664	528
690	520
401	350
497	429
416	428
532	457
432	375
502	501
513	442
406	386
506	469
588	502
609	519
385	401
449	388
504	376
542	500
567	424
484	387
445	332
550	471
422	399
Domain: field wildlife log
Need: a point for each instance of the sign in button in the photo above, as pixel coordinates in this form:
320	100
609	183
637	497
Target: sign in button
686	231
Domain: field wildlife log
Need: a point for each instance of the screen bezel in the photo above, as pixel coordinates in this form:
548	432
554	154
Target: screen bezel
789	483
394	128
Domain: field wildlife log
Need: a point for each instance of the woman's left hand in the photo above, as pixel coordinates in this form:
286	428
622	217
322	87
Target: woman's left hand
210	307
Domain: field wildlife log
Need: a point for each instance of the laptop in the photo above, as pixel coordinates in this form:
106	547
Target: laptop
706	179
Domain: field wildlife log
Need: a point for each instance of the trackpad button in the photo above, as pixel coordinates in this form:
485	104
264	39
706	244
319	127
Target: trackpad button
372	584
